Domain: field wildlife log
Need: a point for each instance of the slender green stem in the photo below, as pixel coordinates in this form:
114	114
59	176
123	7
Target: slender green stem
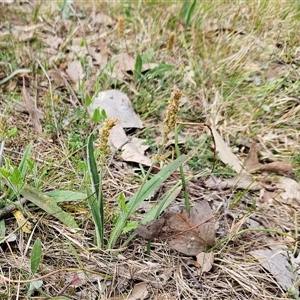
148	247
187	203
16	72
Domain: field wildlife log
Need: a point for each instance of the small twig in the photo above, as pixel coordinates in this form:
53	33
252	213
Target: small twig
191	274
53	273
10	208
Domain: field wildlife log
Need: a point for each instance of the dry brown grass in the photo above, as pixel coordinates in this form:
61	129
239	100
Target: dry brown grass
237	64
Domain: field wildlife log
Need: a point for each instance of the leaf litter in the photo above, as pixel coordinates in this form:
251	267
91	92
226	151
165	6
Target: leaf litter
228	266
118	106
187	233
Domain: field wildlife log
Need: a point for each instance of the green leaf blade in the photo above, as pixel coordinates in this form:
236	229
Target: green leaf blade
36	256
146	190
48	204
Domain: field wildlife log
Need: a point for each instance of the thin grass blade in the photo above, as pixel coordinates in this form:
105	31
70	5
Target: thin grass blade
48	205
95	202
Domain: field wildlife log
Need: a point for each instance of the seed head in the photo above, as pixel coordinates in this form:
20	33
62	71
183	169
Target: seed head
103	137
171	114
3	128
121	27
170	42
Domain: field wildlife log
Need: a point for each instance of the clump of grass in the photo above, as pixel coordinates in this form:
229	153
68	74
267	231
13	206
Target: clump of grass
221	42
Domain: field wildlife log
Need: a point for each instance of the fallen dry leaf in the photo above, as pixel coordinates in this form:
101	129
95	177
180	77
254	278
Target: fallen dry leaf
22	221
252	161
33	111
53	41
123	63
148	66
189	234
117	106
276	262
56	77
276	166
139	291
266	196
242	181
224	152
205	261
99	56
132	149
101	18
288	190
75	71
24	33
151	230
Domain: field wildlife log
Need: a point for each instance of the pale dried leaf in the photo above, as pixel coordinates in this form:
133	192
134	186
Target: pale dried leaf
251	67
277	264
75	71
101	18
290	190
252	159
118	106
243	182
275	71
24	33
189	77
276	166
56	77
132	149
266	196
78	47
117	137
123	63
139	291
23	223
205	261
33	111
224	152
149	66
53	41
99	57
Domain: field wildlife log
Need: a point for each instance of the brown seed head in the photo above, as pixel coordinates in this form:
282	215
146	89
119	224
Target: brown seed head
103	136
171	114
121	27
170	42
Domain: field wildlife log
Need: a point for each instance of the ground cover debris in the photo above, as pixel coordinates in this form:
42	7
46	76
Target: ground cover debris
149	150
